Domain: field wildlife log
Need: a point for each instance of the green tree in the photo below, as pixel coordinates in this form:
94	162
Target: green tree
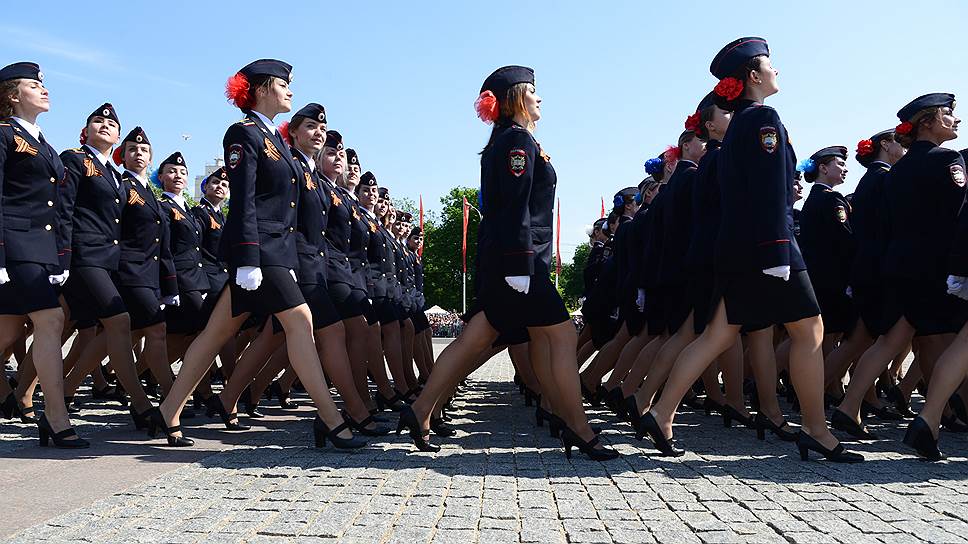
442	250
572	281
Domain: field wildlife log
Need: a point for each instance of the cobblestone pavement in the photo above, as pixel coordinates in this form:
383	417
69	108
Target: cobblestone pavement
502	480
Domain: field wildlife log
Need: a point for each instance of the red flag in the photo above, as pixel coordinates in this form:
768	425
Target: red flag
603	207
420	249
467	209
558	242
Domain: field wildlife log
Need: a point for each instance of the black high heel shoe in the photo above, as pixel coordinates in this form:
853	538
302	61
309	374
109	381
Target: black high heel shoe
951	423
321	432
885	412
919	437
590	397
140	420
440	428
843	422
156	422
360	427
902	404
394	403
9	407
648	425
60	438
531	398
709	406
569	439
632	408
408	420
72	408
215	406
730	414
541	415
250	407
108	393
764	424
25	413
283	398
958	406
614	400
805	443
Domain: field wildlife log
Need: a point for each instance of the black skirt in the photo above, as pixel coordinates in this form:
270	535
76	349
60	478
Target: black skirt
189	316
348	300
144	307
629	314
92	293
837	310
926	305
386	312
705	299
278	292
320	304
507	309
757	301
870	306
677	306
29	289
655	311
420	321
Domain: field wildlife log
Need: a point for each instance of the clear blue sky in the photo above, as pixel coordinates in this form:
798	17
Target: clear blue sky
399	79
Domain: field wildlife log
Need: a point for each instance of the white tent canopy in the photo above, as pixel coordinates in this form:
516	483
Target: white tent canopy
436	310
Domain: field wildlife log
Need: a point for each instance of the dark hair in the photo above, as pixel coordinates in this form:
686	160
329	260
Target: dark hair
812	175
742	74
8	90
705	116
867	159
255	83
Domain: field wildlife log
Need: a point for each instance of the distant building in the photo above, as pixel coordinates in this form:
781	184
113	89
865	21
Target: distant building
209	168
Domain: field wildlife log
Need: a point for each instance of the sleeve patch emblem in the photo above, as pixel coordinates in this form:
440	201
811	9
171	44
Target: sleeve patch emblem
957	174
234	155
517	162
841	214
769	139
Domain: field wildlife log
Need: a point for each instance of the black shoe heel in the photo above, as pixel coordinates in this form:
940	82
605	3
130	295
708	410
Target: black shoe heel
805	443
730	414
764	423
321	432
408	420
569	439
59	438
843	422
709	406
156	422
648	425
441	429
276	390
392	403
215	406
614	399
360	427
540	415
26	414
632	408
920	437
140	420
9	407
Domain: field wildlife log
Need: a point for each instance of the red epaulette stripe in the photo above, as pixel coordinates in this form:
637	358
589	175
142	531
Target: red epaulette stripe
768	242
247	244
169	277
520	253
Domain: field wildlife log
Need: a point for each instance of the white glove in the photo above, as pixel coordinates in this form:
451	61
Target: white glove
955	284
963	292
293	274
4	277
640	300
171	300
59	279
248	277
204	295
849	292
521	284
782	272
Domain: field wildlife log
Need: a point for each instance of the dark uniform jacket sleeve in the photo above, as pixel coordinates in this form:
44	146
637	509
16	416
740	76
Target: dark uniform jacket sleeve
68	194
768	189
241	160
518	152
3	162
958	257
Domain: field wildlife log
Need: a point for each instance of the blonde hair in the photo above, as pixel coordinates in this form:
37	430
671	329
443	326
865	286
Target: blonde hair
920	119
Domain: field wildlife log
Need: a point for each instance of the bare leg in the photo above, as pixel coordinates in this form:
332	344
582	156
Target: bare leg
731	363
641	369
627	358
155	355
872	363
407	330
253	360
839	360
949	372
562	340
331	342
806	373
95	351
393	349
375	364
605	360
763	364
662	364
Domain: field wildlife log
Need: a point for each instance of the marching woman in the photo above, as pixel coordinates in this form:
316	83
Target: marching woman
390	314
30	270
91	205
518	186
379	254
185	317
260	248
916	261
405	279
758	263
145	268
422	346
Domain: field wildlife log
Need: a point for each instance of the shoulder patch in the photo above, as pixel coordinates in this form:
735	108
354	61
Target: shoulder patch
769	138
234	155
517	162
841	214
957	174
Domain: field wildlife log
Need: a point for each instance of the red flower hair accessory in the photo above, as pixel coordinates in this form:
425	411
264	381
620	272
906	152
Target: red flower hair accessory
83	137
237	91
865	147
117	154
692	123
729	88
284	132
904	128
487	107
672	154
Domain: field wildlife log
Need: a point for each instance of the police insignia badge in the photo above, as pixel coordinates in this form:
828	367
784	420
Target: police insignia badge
271	150
957	174
841	214
234	155
769	139
517	162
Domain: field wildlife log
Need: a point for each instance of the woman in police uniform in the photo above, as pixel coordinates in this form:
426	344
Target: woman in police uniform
260	246
518	186
759	266
91	204
29	265
923	195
